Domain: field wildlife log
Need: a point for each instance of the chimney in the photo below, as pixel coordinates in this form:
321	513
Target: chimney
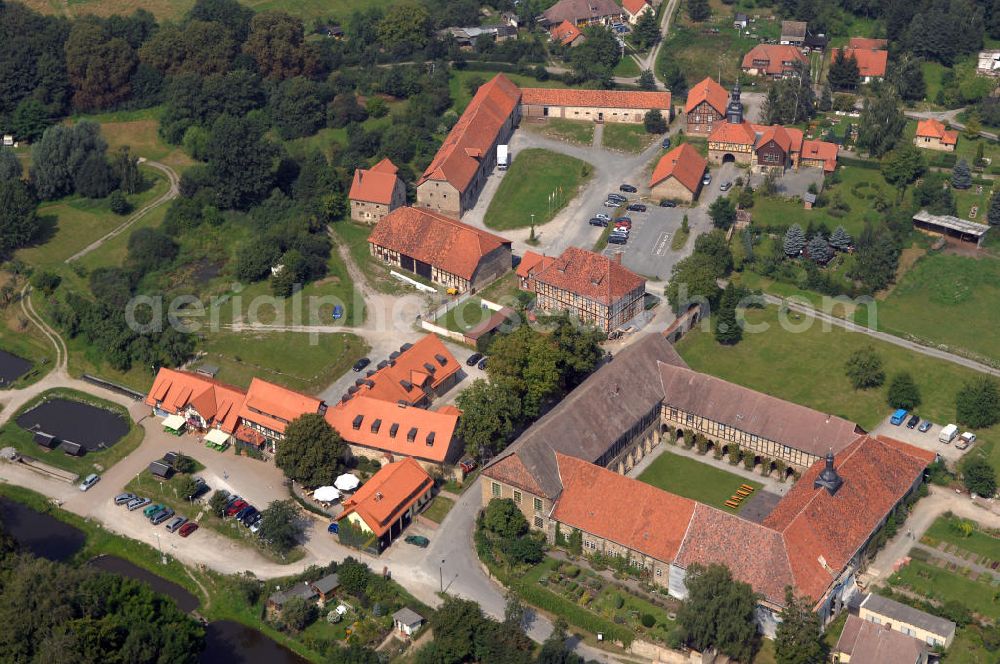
617	257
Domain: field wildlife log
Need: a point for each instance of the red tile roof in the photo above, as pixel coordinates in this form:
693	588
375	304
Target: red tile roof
822	532
376	184
726	132
867	643
511	470
578	11
474	134
433	238
532	262
614	507
821	150
565	33
412	366
710	91
775	56
593	276
391	491
932	128
392	425
682	163
216	402
633	7
273	406
867	43
596	98
870	62
781	136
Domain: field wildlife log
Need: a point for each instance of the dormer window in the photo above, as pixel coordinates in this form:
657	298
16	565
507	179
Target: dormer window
393	429
376	425
411	435
430	439
356	424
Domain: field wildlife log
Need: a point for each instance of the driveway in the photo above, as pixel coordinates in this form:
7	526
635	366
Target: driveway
927	441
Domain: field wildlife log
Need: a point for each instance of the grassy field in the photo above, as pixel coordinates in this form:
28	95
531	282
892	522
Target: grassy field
626	67
978	542
943	585
538	182
286	358
14	436
139	130
502	291
626	137
695	480
439	508
465	316
75	222
779	213
573	131
946	300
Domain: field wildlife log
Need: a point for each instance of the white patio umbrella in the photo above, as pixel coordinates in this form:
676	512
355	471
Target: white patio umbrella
347	482
326	494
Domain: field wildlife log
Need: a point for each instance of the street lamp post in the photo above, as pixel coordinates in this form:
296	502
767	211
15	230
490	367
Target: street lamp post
441	574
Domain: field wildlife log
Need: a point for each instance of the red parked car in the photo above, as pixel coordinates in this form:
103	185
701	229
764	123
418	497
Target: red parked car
236	507
187	529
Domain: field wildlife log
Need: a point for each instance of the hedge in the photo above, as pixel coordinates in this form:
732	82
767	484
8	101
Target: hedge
859	163
575	615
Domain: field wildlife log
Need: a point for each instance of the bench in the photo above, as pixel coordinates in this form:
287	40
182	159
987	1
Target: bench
746	487
742	493
732	503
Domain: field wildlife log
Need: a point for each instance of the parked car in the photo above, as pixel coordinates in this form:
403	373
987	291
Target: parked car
725	186
123	498
160	517
236	507
707	179
627	220
187	529
473	359
665	143
482	364
965	440
637	207
617	239
612	204
248	516
913	422
333	528
602	216
666	203
255	526
253	519
627	188
90	481
136	503
417	540
598	222
243	511
361	364
338	312
925	426
200	488
948	433
898	417
152	509
617	197
176	523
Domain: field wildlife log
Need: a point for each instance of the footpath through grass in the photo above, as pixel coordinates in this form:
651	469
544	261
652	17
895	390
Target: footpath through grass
695	480
538	182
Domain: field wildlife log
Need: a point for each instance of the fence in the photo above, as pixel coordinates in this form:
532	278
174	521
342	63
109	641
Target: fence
114	387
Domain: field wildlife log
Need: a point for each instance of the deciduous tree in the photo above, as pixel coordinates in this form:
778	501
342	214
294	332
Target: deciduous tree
978	403
491	412
277	43
405	27
312	452
903	391
881	122
58	157
799	638
281	525
902	166
298	107
198	47
240	161
698	10
719	611
503	518
693	280
99	66
722	212
864	368
18	219
979	477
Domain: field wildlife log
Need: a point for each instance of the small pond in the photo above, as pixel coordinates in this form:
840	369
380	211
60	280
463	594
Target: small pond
12	367
77	422
42	535
226	641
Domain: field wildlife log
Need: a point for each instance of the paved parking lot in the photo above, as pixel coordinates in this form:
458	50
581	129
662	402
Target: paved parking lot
927	441
794	183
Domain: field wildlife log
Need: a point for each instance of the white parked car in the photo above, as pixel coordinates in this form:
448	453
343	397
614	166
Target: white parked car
91	480
965	440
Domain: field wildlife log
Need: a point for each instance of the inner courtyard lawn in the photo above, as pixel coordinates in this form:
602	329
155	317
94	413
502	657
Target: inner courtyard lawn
573	131
539	183
465	316
695	480
946	300
626	137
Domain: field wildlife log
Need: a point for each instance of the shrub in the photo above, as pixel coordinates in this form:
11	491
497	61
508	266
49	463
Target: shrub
617	601
648	620
119	204
748	461
572	571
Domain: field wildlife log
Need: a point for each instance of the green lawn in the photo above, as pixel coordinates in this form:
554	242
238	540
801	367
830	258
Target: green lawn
439	508
14	436
946	300
139	130
355	236
538	182
700	54
503	291
626	137
695	480
573	131
935	583
465	316
979	542
626	67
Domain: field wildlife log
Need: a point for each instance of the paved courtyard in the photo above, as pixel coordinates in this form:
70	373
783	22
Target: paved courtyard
927	441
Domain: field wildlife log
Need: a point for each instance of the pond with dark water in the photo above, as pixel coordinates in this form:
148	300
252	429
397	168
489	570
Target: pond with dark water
90	426
226	641
12	367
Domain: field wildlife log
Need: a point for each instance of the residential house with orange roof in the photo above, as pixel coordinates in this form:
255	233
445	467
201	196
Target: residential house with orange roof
568	469
583	12
384	415
531	263
819	154
566	34
204	403
591	287
775	61
384	506
867	43
634	9
872	62
933	135
705	106
376	192
597	105
266	412
678	174
439	248
452	182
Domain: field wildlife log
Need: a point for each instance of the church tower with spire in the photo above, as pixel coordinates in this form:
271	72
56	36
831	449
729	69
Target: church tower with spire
734	112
